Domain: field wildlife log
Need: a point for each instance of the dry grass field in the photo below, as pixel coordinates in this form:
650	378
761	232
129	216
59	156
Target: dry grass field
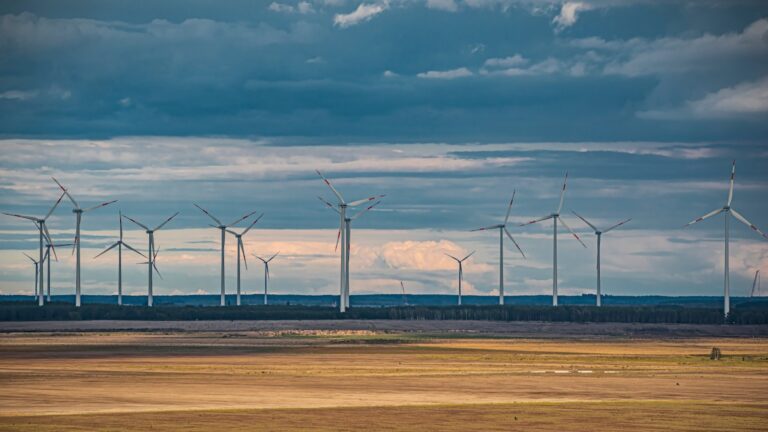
357	379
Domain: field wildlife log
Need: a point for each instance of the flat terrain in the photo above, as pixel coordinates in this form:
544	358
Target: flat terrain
296	377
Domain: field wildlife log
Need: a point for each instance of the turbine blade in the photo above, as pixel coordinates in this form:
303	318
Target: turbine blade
273	256
744	220
50	212
617	225
131	248
30	258
364	200
360	213
33	219
453	257
585	221
120	219
509	208
136	222
50	241
333	189
154	265
569	229
98	206
470	254
329	205
209	215
754	283
543	218
730	188
562	193
258	257
67	193
237	221
708	215
242	248
338	237
230	231
513	241
266	270
252	224
166	221
486	228
107	250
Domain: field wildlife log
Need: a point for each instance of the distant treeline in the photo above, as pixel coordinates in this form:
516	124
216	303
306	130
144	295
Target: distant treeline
752	313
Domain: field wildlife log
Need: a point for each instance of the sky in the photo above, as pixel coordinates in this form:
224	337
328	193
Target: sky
446	106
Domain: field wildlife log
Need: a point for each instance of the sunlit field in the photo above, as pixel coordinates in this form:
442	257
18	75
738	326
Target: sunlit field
299	379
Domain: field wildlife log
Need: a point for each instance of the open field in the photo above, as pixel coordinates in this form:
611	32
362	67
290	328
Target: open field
296	377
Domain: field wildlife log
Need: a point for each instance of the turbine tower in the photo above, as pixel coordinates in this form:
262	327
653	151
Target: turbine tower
756	285
50	248
461	269
341	209
728	210
38	292
150	252
599	235
240	247
348	239
119	243
223	229
556	218
78	219
43	230
266	272
503	230
405	299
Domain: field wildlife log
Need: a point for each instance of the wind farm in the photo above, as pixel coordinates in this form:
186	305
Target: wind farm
383	215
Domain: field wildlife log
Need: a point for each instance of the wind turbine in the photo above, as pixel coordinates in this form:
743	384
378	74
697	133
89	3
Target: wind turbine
223	229
78	219
599	235
728	210
43	230
38	292
756	285
556	218
405	299
154	262
266	271
119	243
240	247
50	247
461	269
503	230
150	252
341	209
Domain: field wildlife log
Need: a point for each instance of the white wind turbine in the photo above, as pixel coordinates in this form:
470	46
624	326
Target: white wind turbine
119	244
503	230
556	218
150	252
240	248
728	210
266	272
78	219
223	229
50	248
461	269
405	299
38	291
756	285
341	209
599	235
43	230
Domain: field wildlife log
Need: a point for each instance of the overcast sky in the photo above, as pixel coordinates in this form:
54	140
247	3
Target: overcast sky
446	106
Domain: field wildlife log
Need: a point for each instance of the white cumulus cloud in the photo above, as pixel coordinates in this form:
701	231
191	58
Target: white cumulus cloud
447	74
364	12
